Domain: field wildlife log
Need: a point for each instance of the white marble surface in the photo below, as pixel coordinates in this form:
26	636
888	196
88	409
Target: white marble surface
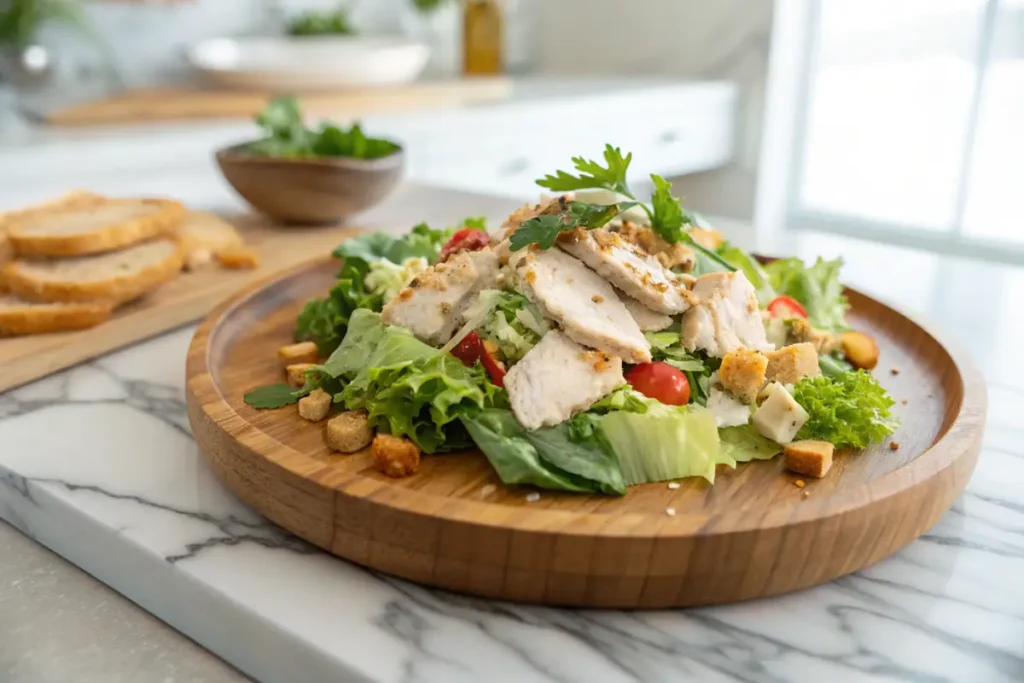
98	464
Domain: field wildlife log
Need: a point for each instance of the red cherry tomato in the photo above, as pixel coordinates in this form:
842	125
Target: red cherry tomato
471	349
467	239
661	382
784	306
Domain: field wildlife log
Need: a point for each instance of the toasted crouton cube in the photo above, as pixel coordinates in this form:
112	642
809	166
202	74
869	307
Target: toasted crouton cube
742	373
238	258
860	349
810	458
790	364
315	406
349	432
297	374
303	352
802	331
394	456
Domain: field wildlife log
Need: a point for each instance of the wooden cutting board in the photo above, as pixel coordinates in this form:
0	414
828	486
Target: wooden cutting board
455	526
151	105
192	295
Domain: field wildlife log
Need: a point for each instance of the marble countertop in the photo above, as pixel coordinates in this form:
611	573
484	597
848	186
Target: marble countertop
98	464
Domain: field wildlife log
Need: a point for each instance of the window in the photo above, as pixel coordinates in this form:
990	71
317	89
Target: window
910	124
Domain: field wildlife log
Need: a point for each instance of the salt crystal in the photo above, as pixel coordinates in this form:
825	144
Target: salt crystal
671	512
673	485
532	497
488	490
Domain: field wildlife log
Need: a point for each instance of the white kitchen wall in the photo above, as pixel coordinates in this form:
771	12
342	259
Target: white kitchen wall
725	39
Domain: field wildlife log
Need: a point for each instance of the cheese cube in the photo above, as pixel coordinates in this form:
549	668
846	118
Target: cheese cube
780	417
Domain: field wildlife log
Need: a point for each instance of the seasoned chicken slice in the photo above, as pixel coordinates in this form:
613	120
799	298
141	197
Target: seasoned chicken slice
726	317
629	268
432	303
648	320
669	255
558	378
526	212
581	302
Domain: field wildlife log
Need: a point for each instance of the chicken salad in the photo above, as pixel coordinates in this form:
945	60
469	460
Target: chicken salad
591	342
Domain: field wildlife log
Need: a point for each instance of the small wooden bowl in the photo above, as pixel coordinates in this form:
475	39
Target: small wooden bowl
310	191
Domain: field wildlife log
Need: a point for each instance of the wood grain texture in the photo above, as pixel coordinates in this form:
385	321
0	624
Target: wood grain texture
192	295
150	105
754	533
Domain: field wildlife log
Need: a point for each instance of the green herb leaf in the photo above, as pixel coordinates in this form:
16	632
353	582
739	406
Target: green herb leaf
848	410
610	176
288	137
273	396
544	230
321	23
478	222
667	215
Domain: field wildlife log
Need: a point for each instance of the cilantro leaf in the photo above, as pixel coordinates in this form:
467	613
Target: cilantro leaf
667	215
273	396
849	409
611	176
544	230
287	137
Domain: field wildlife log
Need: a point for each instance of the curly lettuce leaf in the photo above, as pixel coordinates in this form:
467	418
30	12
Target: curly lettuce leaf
848	410
548	458
817	287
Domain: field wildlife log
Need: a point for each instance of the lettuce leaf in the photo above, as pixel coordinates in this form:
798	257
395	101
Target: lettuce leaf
817	287
547	458
848	410
743	444
509	320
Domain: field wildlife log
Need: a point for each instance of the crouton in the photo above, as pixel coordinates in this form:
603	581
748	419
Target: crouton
802	331
790	364
742	373
297	374
394	456
706	237
349	432
810	458
303	352
860	349
315	406
238	258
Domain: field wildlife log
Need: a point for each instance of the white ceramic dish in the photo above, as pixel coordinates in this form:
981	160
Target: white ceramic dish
309	63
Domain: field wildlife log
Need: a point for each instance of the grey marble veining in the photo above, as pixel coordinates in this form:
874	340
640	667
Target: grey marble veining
98	463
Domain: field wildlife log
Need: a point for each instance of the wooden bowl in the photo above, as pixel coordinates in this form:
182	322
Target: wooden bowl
456	526
310	191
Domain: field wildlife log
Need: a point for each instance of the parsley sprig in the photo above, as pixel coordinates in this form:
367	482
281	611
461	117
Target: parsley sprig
544	230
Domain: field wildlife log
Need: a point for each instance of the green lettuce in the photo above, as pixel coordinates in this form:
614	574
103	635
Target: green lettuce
666	346
743	444
509	320
848	410
547	458
817	287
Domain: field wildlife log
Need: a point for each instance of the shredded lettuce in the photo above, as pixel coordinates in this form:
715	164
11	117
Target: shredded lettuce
387	279
817	287
850	409
509	320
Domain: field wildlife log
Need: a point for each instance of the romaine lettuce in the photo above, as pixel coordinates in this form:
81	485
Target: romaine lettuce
817	287
743	444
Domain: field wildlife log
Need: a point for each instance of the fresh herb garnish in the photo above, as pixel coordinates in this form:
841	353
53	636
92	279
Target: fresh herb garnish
314	23
286	136
274	396
544	230
592	174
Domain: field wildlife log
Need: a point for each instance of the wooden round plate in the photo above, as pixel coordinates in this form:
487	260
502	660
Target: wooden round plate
454	525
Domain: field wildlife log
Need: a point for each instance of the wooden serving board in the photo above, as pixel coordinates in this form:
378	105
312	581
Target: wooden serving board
149	105
192	295
455	526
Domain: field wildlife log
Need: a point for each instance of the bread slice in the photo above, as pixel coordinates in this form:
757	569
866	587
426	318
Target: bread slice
75	198
204	235
117	276
91	225
18	316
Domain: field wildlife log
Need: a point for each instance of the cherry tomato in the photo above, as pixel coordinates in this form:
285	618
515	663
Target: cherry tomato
471	349
467	239
784	306
661	382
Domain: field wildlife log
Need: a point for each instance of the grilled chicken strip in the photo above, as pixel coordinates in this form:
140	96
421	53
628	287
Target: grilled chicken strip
433	302
648	320
557	378
629	268
726	318
584	305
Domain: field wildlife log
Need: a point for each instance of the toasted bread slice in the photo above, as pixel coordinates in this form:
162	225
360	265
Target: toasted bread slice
204	235
18	316
117	276
91	225
6	251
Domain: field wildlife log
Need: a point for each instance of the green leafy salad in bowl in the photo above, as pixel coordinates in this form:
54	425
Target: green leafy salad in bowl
592	342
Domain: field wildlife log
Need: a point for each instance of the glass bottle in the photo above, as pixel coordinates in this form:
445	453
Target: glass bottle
483	38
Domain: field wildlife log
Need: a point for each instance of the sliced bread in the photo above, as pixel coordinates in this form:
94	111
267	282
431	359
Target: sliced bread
18	316
117	276
204	235
91	225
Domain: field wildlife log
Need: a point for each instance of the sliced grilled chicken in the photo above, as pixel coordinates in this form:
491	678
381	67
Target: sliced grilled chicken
726	317
433	302
558	378
648	320
526	212
629	268
584	305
